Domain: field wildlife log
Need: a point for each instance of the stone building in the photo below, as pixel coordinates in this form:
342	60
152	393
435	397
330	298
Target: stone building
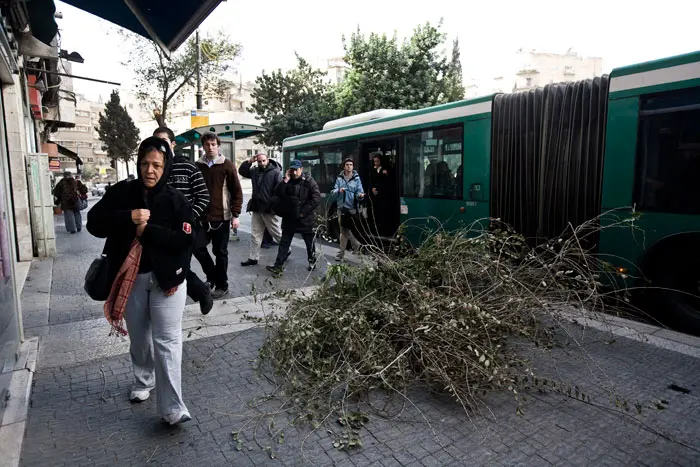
528	69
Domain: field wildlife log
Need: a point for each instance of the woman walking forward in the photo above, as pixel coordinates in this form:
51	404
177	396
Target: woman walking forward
148	227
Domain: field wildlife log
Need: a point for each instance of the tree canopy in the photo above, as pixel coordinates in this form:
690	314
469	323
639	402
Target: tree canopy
384	73
117	130
292	102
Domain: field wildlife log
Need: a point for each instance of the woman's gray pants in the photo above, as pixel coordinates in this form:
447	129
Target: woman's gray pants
154	322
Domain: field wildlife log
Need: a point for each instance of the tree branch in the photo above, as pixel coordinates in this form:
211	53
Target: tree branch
185	81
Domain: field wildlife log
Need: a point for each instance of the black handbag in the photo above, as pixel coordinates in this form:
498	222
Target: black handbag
97	282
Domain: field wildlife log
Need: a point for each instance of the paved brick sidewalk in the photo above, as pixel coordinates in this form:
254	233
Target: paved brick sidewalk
80	415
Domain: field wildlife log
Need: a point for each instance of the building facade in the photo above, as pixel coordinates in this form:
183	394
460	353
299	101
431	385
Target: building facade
335	68
529	69
82	139
34	99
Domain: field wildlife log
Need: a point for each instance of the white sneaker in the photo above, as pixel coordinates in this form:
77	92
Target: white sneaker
176	418
139	396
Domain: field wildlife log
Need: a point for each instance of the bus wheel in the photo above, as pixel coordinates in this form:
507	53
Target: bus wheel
679	294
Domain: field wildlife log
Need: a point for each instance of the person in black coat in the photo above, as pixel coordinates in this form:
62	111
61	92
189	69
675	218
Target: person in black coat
299	196
380	195
160	218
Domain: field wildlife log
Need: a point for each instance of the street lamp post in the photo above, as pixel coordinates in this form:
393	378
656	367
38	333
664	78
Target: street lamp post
199	76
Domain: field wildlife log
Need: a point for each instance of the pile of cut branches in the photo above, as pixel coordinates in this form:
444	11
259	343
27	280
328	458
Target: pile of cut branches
442	317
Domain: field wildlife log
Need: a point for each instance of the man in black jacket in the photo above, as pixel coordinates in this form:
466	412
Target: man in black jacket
380	196
299	197
265	177
187	179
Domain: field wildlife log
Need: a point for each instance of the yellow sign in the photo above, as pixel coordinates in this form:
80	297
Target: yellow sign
199	118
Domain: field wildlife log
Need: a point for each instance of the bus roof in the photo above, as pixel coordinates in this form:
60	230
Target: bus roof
656	75
408	119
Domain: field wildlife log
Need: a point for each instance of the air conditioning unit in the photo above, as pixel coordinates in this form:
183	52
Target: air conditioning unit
33	47
34	97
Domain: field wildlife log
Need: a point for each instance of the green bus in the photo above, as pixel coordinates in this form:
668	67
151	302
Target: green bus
549	157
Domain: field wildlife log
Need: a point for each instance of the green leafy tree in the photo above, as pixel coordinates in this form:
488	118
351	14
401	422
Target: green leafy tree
117	130
292	102
88	173
386	73
159	80
454	86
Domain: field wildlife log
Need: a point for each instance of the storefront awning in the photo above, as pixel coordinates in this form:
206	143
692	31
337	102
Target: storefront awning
64	151
168	22
222	130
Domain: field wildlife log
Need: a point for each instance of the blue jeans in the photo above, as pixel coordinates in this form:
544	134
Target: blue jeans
73	220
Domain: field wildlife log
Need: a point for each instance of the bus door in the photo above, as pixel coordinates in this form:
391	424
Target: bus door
382	208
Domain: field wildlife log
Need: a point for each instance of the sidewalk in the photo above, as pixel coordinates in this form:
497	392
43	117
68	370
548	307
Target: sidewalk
80	413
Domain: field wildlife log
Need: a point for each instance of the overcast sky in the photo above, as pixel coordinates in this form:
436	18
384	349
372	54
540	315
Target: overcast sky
622	32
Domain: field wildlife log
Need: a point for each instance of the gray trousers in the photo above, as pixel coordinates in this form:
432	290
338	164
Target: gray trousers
73	220
154	322
259	223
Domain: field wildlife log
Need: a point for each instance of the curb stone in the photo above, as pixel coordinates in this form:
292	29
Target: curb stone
14	418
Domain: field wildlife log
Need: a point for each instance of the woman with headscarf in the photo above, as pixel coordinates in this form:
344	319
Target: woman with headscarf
148	227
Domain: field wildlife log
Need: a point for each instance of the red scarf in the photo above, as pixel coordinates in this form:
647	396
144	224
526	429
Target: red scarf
121	288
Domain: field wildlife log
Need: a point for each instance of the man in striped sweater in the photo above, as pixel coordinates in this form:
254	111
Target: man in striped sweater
187	178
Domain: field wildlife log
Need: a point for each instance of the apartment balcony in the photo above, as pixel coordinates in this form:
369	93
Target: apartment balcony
59	100
527	70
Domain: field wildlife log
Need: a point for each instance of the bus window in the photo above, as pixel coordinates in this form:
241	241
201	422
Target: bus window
288	157
431	161
668	153
333	157
311	162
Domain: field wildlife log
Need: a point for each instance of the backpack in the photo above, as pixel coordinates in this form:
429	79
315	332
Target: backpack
69	195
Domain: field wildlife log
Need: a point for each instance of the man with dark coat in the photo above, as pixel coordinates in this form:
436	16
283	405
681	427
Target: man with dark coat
299	197
380	195
265	177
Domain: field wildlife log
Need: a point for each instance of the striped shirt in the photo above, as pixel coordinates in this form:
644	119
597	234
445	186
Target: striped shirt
188	180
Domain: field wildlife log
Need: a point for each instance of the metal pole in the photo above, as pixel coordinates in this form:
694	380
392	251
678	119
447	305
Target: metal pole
48	72
199	77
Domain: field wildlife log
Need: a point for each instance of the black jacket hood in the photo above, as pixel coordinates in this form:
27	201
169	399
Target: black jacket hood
146	145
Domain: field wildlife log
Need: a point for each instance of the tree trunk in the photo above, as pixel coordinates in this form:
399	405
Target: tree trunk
160	119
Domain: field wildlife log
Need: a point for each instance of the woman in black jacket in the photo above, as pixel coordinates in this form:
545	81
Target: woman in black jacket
148	227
